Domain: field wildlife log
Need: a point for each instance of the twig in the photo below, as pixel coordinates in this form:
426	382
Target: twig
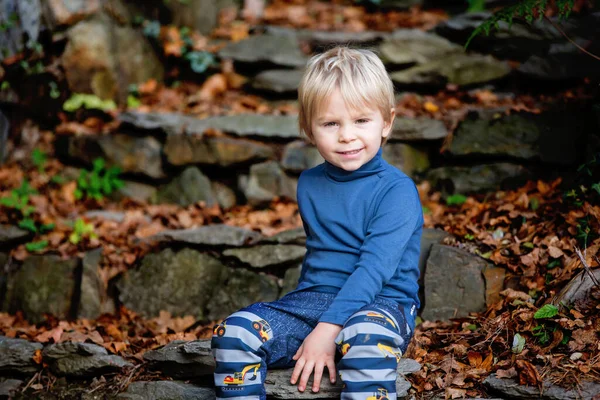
571	40
586	267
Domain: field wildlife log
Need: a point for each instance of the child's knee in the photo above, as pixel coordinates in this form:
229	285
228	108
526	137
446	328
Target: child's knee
241	331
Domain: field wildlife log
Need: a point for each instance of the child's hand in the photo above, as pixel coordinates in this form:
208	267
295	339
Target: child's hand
316	352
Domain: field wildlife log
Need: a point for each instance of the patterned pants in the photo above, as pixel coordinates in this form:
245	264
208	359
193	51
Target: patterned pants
269	334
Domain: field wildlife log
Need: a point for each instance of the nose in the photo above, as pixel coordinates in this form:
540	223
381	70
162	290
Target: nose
346	134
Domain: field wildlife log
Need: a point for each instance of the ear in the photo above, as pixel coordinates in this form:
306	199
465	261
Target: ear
387	128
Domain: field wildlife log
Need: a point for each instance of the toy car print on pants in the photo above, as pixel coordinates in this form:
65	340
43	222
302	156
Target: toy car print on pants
263	329
381	394
238	377
379	318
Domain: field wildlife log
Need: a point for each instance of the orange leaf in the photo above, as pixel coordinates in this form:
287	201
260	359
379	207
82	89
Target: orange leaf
213	87
37	356
431	107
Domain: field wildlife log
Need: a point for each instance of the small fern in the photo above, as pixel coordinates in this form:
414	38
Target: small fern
526	9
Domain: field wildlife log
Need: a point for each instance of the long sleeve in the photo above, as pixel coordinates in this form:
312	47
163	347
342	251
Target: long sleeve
396	219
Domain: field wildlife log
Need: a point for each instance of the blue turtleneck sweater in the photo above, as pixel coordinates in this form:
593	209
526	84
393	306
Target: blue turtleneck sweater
363	233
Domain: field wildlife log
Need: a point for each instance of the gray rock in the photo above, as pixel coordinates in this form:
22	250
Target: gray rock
290	280
136	191
93	293
69	12
241	288
277	384
190	187
12	235
455	283
116	216
278	80
409	129
81	360
299	155
181	283
225	195
428	239
140	155
200	15
510	388
9	387
409	159
43	284
290	236
281	50
214	150
268	255
183	360
413	46
18	18
329	38
408	366
266	182
16	356
211	235
166	390
577	291
104	58
479	178
266	126
458	69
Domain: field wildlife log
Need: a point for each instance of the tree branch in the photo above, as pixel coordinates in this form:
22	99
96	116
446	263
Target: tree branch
558	28
586	267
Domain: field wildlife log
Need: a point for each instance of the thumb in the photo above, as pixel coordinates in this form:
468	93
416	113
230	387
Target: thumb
297	355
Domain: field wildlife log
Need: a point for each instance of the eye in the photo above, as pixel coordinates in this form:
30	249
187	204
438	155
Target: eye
362	121
328	124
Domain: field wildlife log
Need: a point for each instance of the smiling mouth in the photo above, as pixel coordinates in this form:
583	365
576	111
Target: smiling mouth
349	152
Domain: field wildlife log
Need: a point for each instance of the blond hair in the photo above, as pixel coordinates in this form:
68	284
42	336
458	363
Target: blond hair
360	76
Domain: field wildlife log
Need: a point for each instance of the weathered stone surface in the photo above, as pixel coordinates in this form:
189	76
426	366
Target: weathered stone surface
266	126
183	360
16	356
211	235
241	288
267	181
454	283
219	150
329	38
166	390
290	236
299	155
458	69
190	187
9	387
181	283
281	50
81	359
428	239
577	291
69	12
409	159
413	46
93	293
290	280
200	15
277	383
484	177
18	18
141	155
104	58
409	129
268	255
11	235
278	80
116	216
511	389
224	194
136	191
43	284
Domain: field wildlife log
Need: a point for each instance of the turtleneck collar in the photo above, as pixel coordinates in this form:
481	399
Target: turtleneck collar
373	166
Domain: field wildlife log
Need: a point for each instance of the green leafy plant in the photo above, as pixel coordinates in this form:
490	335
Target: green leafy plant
82	230
89	101
18	199
529	10
98	182
455	199
200	60
39	159
36	246
476	5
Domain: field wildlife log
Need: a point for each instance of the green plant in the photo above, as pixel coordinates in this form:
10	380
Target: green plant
455	199
82	230
526	9
98	182
89	101
476	5
54	91
39	159
36	246
18	199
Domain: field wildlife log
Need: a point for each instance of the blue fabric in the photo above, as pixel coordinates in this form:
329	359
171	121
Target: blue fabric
267	335
363	233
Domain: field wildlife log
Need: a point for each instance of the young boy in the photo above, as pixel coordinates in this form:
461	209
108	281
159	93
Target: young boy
358	290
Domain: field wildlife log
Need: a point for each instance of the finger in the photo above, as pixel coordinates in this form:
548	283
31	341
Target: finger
317	376
331	368
297	370
298	352
308	369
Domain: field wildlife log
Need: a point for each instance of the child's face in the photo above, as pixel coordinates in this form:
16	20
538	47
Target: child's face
348	138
